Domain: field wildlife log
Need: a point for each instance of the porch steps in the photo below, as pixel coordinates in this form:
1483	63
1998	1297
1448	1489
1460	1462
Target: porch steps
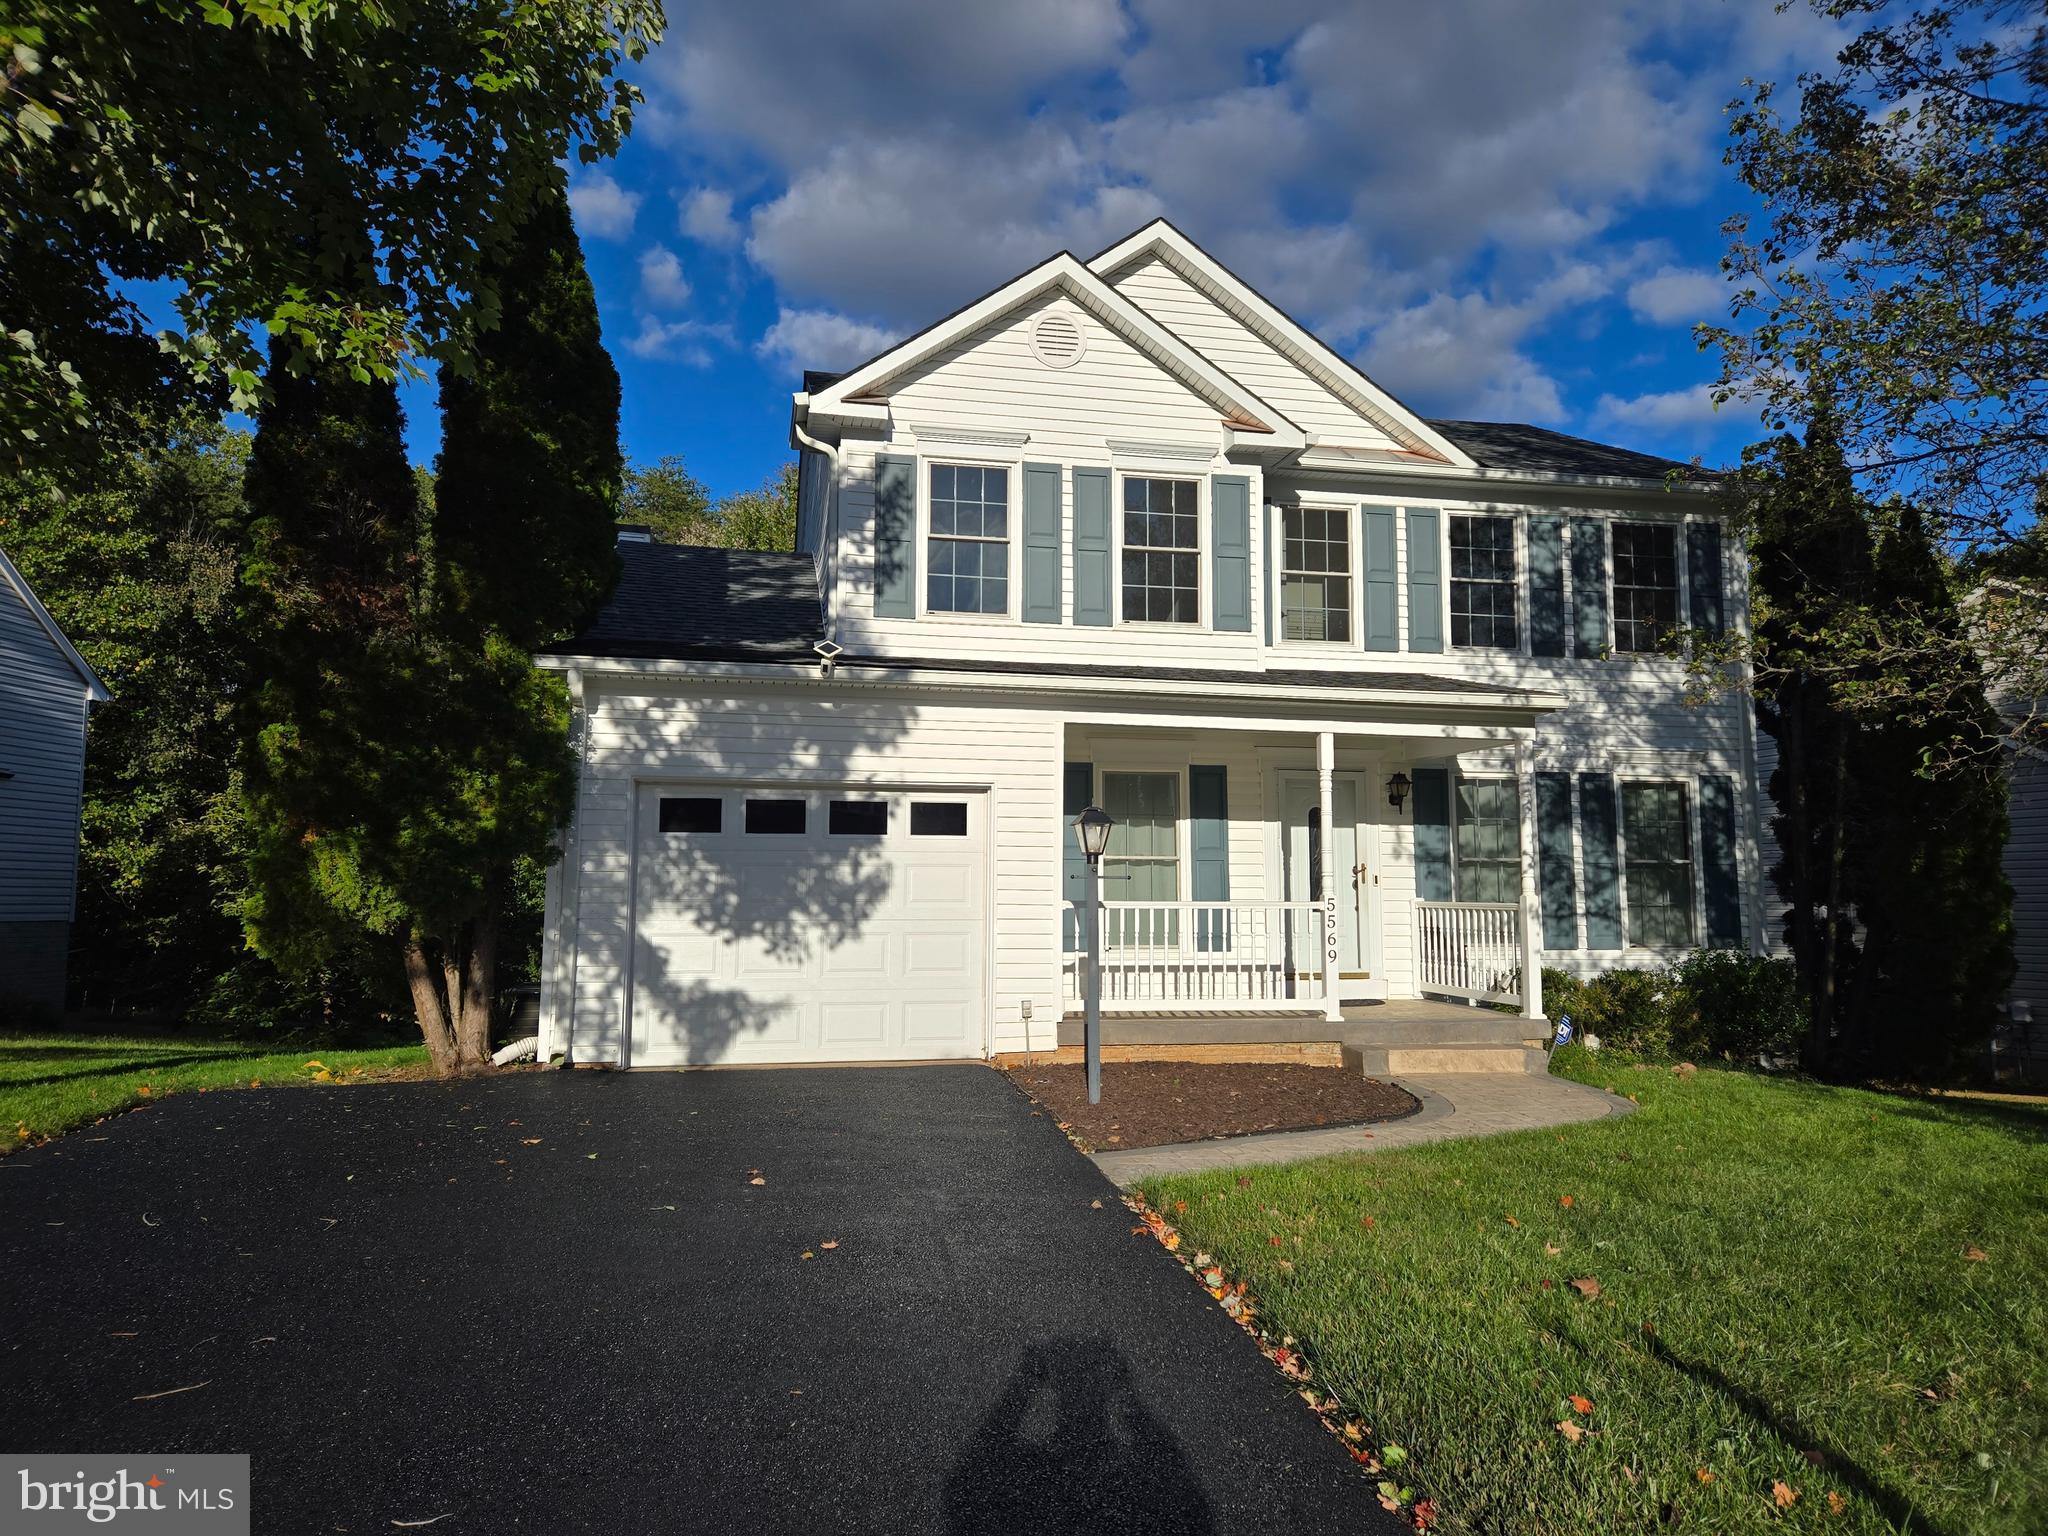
1386	1041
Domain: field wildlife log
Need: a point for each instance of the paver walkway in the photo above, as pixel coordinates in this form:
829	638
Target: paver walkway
1454	1104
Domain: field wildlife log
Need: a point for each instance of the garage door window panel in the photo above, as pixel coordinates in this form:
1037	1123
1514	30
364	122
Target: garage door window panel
857	818
692	815
775	818
938	818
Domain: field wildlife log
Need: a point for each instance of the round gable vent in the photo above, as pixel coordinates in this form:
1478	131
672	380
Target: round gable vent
1057	339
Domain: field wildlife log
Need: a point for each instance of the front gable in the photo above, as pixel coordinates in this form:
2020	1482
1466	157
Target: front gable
1343	413
1060	340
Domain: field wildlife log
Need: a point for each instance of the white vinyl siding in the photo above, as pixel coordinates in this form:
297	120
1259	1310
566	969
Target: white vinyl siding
42	748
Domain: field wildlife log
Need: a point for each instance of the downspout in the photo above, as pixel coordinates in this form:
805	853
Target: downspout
562	1035
828	528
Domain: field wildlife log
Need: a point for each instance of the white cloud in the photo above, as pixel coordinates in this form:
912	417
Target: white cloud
662	284
706	216
820	338
602	208
694	343
1672	410
1679	296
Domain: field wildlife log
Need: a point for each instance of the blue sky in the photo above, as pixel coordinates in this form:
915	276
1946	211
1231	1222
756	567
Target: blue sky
1499	209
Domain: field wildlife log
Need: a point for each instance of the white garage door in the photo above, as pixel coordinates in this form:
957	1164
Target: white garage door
812	924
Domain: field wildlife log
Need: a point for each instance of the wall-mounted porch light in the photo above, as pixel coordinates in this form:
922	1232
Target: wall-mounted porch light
1397	790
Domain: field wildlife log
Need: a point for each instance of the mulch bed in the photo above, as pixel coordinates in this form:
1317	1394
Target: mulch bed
1156	1103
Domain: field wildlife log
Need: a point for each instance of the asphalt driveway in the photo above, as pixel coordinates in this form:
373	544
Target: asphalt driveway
559	1303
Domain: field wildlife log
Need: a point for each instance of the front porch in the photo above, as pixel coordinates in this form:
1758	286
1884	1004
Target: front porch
1273	881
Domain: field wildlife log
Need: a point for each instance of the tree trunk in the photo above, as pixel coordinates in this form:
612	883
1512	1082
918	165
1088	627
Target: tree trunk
428	1008
479	981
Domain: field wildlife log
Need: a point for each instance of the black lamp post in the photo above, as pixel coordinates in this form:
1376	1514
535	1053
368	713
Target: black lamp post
1091	831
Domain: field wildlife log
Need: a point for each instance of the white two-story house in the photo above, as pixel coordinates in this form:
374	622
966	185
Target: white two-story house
1383	708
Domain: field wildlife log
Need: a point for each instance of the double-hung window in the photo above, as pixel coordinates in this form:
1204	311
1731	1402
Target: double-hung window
1483	583
969	555
1489	841
1645	585
1656	832
1162	554
1142	861
1315	574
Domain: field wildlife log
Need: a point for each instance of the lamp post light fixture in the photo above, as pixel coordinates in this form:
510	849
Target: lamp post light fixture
1091	831
1397	789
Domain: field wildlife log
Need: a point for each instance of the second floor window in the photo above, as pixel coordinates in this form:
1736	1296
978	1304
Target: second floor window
1315	574
1483	583
969	565
1645	584
1162	566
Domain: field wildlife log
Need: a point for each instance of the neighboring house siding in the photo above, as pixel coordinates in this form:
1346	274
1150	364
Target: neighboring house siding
1197	318
2026	866
778	736
42	745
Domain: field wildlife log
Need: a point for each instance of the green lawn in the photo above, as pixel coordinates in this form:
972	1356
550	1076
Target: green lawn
50	1084
1786	1295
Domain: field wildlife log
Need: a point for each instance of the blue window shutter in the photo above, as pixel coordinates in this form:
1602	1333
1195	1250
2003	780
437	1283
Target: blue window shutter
1717	844
1703	549
1209	842
1432	797
1546	586
1589	584
1597	852
1554	885
895	538
1425	581
1382	571
1041	543
1091	546
1230	519
1078	790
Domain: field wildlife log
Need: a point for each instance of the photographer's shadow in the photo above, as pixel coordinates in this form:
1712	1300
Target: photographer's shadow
1070	1446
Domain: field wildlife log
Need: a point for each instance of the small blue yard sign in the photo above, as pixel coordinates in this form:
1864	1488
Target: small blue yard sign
1564	1029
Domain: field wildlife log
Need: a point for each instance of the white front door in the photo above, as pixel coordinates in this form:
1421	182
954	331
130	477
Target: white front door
1306	856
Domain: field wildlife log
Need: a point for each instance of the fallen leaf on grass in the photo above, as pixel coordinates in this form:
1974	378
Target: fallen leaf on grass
1836	1503
1180	1207
1512	1222
1975	1255
1684	1069
1425	1514
1565	1201
1367	1222
149	1397
1552	1249
1783	1495
1274	1241
1587	1287
1572	1432
1580	1404
143	1089
1704	1475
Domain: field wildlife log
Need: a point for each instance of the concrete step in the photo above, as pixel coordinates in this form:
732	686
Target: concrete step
1484	1027
1421	1060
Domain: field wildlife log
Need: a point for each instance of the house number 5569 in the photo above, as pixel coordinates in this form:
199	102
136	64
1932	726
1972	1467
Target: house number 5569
1330	927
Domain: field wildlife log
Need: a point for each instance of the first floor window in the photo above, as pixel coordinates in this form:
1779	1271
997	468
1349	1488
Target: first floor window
1315	574
1162	565
1645	585
1483	583
970	540
1489	841
1142	861
1656	834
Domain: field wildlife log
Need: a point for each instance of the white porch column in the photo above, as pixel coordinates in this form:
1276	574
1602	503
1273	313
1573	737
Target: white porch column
1326	773
1532	917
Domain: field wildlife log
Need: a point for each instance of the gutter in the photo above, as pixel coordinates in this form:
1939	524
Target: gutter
1243	685
828	524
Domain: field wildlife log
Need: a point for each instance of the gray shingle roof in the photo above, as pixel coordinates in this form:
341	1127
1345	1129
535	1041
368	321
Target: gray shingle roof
682	601
1516	445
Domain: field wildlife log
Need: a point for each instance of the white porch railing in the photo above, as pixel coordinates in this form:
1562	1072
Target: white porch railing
1197	954
1469	949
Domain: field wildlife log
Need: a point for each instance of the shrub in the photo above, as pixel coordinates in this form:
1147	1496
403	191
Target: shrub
1564	993
1728	1003
1629	1010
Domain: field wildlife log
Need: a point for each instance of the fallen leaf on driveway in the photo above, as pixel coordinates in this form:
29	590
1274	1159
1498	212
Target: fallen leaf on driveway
1783	1495
808	1254
831	1243
1580	1404
529	1141
757	1179
1587	1287
1572	1432
1094	1205
415	1524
